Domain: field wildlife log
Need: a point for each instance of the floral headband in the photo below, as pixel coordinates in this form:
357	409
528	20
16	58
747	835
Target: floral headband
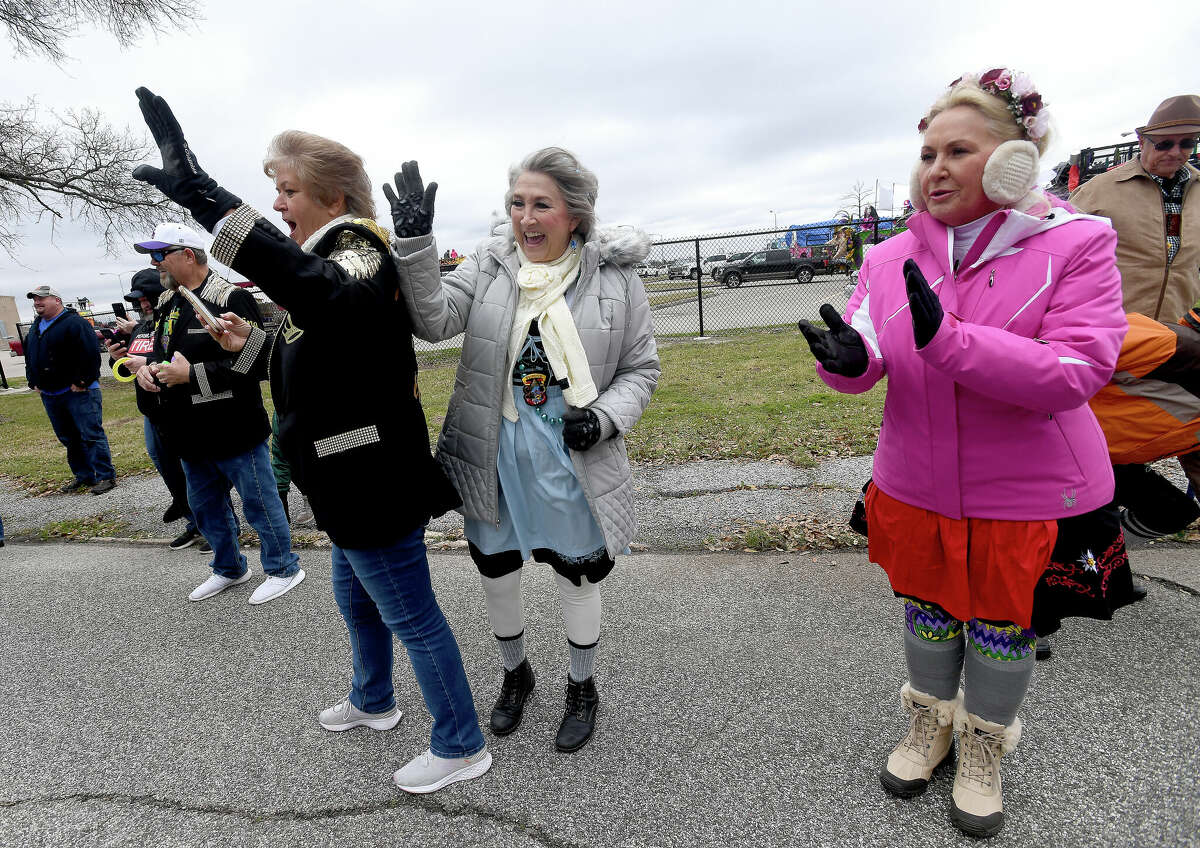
1016	90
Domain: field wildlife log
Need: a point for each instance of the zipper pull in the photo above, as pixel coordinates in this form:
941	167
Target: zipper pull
992	279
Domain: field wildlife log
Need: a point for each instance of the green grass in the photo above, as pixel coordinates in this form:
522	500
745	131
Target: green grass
81	529
742	395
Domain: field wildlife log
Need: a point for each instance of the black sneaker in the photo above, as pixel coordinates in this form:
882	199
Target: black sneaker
174	512
205	547
104	486
76	485
186	539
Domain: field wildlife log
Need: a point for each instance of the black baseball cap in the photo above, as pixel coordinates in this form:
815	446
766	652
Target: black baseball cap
145	283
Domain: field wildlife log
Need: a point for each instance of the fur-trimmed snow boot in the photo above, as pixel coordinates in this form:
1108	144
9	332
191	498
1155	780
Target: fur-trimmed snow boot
927	745
976	802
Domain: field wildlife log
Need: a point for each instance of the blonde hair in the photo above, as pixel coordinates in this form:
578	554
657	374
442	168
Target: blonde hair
999	118
325	167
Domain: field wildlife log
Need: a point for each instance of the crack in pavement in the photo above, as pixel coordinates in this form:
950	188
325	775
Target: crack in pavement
1163	581
448	810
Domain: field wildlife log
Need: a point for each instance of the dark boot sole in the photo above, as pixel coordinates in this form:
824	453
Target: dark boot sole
979	827
912	788
571	750
509	731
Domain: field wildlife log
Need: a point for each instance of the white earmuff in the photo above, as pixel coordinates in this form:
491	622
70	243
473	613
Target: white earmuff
914	187
1010	172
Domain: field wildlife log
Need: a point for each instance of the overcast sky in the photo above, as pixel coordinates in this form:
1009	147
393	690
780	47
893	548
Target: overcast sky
697	117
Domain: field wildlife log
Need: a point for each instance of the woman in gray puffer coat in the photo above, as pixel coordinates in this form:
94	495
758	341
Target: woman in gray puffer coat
558	363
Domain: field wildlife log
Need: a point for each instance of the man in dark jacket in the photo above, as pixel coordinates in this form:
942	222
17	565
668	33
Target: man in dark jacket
134	342
213	416
62	364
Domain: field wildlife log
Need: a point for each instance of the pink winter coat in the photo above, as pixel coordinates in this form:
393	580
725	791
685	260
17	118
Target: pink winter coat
990	419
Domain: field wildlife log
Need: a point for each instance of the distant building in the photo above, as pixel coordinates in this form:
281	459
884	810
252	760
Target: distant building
8	320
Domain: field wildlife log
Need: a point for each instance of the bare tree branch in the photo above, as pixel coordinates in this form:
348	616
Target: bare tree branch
76	167
858	198
43	26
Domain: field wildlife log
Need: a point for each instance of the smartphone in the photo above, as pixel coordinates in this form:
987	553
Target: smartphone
119	310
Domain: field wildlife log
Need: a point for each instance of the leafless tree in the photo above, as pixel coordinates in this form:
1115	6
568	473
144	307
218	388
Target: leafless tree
75	165
858	198
43	26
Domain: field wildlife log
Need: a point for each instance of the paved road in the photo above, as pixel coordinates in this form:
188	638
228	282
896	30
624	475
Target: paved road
746	700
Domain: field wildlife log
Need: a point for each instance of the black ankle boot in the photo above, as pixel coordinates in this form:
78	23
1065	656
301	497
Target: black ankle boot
510	706
579	719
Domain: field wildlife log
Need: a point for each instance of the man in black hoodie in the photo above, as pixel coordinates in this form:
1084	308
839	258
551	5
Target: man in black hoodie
62	364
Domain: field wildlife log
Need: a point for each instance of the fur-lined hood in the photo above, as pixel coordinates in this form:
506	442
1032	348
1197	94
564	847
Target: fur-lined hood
624	246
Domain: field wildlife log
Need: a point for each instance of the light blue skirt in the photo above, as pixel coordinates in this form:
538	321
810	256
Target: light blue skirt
542	504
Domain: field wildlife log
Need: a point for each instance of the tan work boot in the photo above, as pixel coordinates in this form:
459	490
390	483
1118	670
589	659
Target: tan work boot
926	747
976	803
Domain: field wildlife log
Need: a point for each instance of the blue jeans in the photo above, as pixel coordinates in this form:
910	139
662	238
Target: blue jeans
385	591
169	468
208	482
77	421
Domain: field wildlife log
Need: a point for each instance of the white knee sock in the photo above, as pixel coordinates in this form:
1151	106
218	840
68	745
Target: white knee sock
505	603
581	613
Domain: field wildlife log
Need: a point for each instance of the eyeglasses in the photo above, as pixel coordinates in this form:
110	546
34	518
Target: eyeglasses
160	255
1185	145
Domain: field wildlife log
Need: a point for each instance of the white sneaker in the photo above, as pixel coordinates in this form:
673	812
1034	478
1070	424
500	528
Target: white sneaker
427	773
273	587
215	585
345	715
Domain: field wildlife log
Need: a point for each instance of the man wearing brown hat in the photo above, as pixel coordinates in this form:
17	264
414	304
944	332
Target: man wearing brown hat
62	364
1153	202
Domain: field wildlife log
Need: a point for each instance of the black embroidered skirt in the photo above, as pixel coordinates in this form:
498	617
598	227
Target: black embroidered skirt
1088	575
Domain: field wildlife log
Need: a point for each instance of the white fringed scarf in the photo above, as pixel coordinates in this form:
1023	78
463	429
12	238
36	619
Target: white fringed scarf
540	288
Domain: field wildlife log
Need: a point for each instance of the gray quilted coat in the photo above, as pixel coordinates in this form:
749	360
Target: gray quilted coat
613	318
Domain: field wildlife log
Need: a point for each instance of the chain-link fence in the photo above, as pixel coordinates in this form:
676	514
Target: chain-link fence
711	284
766	278
741	280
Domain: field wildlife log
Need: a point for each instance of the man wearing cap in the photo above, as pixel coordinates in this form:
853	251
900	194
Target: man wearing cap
1153	202
211	412
134	342
62	364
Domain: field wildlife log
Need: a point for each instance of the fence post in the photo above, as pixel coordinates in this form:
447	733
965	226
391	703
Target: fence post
699	288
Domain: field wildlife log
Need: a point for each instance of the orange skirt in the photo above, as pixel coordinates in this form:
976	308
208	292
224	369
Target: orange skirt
970	567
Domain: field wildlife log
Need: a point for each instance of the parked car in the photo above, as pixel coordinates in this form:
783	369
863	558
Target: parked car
706	265
719	264
780	264
680	269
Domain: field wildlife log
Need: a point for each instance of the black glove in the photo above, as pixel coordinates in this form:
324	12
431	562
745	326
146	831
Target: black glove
840	349
181	178
581	428
923	303
412	203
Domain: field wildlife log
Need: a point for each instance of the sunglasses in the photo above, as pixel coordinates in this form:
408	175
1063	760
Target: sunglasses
160	255
1185	145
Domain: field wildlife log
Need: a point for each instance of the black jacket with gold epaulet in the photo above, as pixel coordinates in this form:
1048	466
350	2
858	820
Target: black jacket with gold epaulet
343	376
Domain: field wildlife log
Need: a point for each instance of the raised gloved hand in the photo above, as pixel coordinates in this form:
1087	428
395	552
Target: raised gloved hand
840	349
411	202
180	178
581	428
923	303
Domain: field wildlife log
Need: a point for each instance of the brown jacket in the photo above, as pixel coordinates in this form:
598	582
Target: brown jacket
1129	198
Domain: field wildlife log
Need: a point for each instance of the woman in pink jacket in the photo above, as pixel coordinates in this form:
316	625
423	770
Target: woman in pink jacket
995	318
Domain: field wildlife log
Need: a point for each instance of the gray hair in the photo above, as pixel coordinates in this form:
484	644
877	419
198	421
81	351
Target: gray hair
200	254
578	185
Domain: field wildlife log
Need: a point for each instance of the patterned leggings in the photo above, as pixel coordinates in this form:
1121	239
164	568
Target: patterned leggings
997	668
